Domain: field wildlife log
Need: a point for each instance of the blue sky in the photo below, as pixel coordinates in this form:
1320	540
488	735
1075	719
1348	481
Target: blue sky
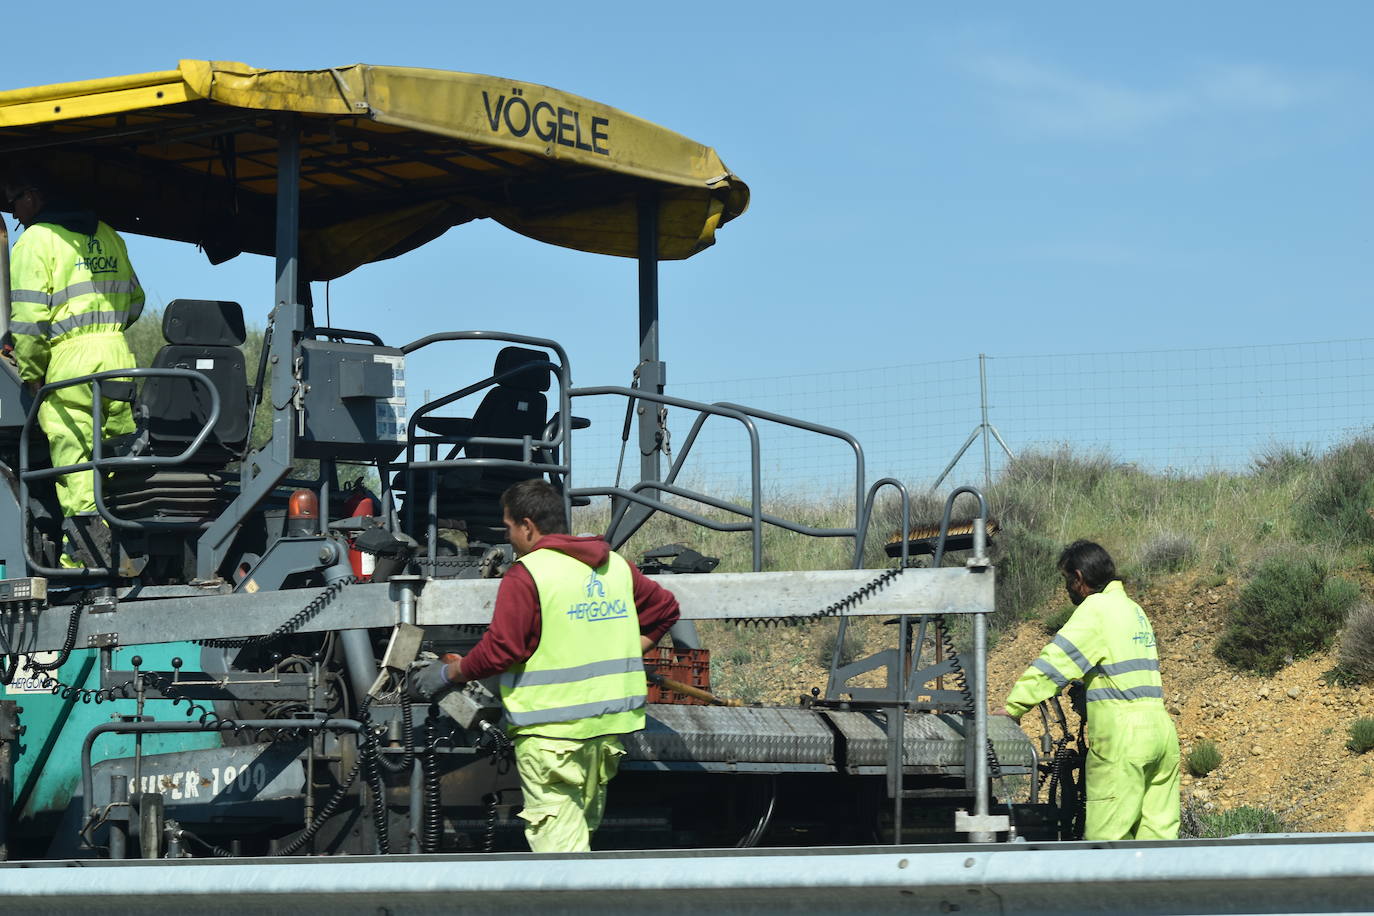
929	180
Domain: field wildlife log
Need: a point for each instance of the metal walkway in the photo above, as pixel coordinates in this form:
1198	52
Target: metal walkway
1331	873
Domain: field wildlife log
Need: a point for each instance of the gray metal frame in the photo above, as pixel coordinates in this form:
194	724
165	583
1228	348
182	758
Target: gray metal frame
549	445
99	464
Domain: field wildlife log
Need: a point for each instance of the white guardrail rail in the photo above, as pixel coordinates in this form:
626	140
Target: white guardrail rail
1292	873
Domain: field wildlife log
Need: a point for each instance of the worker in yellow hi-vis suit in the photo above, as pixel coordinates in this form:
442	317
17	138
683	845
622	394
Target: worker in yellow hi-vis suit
1132	766
73	292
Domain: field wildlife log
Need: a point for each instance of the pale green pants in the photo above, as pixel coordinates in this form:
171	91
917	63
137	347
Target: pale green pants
1132	774
66	414
564	782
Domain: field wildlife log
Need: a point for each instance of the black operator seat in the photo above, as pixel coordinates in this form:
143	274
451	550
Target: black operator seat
205	336
515	407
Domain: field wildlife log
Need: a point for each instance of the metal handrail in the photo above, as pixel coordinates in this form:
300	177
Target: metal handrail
745	415
98	465
416	438
755	474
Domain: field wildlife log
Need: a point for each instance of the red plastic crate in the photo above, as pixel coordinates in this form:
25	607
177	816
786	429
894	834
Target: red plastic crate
686	666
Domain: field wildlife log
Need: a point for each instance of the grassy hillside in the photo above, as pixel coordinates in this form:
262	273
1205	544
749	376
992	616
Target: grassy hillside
1259	583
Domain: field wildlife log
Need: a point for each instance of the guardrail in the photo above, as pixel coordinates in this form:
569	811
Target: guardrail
1331	873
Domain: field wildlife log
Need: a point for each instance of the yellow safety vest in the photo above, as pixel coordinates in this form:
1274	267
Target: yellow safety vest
65	285
586	678
1109	643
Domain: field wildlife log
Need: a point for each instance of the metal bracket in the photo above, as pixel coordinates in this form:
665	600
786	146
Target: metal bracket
400	652
106	604
102	640
986	823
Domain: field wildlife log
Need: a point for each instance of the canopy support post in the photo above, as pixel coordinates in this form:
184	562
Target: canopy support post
264	468
651	370
650	373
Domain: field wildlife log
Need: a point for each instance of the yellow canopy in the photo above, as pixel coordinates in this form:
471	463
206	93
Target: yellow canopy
391	157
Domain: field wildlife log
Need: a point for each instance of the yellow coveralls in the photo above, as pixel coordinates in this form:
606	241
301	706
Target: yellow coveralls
73	295
1132	769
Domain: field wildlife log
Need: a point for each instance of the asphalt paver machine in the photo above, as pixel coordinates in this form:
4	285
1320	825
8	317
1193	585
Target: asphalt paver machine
226	674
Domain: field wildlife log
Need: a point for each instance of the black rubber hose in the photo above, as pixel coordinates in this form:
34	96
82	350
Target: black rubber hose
407	759
432	828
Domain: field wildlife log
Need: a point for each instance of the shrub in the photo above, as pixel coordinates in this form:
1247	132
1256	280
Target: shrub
1357	644
1190	824
1168	552
1281	462
1245	819
1291	608
1204	758
1361	735
1026	575
852	649
1336	501
1061	468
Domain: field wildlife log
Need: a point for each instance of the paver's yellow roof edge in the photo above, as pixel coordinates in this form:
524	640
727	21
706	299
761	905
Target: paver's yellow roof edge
56	91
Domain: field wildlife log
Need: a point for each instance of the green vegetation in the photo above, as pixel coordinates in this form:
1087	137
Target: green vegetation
852	649
1167	552
1357	645
1291	608
1265	531
1334	506
1204	758
1244	819
1361	735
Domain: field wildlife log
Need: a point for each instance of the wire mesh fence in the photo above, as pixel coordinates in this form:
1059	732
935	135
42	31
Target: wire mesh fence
1183	411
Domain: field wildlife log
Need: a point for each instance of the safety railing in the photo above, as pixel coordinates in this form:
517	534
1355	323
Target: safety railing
755	516
550	453
99	464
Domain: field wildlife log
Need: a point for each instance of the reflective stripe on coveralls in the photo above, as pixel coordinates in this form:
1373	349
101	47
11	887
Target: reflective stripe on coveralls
586	678
1132	769
73	296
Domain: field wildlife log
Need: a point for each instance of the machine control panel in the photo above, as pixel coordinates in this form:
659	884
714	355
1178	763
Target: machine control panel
27	589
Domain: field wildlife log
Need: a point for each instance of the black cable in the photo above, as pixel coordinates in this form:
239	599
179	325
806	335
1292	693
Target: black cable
368	757
489	841
752	838
298	620
431	827
852	600
218	851
68	642
970	708
325	813
408	758
329	807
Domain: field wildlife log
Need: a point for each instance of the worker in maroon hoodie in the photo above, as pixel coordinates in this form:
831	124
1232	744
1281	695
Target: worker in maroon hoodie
568	636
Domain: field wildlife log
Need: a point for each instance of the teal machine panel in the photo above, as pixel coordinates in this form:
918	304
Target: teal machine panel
47	773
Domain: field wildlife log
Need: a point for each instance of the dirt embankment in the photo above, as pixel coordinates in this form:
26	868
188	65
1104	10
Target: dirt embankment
1282	739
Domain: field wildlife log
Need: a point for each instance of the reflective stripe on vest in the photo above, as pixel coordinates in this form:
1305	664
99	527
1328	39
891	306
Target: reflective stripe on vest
94	287
1145	692
586	678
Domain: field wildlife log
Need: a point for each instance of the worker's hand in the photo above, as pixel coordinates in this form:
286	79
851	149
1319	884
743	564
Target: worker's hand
1004	712
431	680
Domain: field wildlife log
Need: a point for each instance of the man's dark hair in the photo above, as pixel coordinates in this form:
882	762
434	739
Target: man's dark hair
1092	560
539	502
21	176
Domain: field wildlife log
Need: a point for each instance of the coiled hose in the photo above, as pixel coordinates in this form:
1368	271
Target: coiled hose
408	758
431	827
